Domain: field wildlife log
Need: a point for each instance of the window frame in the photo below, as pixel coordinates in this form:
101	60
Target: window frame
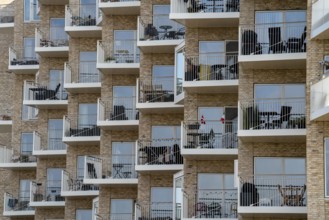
283	166
32	18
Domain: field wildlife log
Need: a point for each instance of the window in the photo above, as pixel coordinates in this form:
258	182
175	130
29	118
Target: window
87	115
80	167
326	142
180	70
83	214
125	96
57	32
30	10
265	166
125	49
166	132
161	201
121	209
24	190
29	45
164	76
123	155
326	65
208	182
54	178
56	77
272	17
88	9
55	133
26	143
88	72
29	113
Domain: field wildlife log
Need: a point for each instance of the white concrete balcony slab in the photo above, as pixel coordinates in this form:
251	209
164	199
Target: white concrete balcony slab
7	17
6	123
80	21
263	46
23	61
201	15
121	172
161	155
9	160
75	133
42	97
272	196
46	196
320	19
118	114
319	100
72	187
54	148
82	78
52	2
124	59
276	120
161	36
120	7
14	206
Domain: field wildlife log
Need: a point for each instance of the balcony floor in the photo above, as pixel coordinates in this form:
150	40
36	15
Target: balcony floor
52	51
19	166
159	168
83	87
79	193
158	46
118	125
49	153
279	211
212	86
202	20
321	114
119	68
47	104
113	182
275	135
82	140
209	154
19	213
160	107
84	31
321	32
48	204
24	69
273	61
120	8
52	2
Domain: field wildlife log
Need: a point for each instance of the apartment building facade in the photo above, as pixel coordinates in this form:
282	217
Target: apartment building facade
163	109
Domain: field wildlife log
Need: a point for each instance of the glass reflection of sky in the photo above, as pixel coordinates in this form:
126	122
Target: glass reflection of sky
180	62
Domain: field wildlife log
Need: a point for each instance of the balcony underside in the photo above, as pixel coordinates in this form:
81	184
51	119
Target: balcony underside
112	182
49	153
82	140
19	214
159	168
119	125
279	211
19	166
273	61
199	218
52	2
52	51
202	20
6	28
158	46
119	68
277	136
79	193
84	31
160	107
321	114
24	69
47	104
321	32
210	154
48	204
212	86
5	126
120	8
83	87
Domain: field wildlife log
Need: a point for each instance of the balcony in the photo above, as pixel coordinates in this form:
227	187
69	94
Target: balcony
273	46
273	120
274	195
80	21
74	187
6	123
155	210
17	205
159	155
118	114
56	44
48	195
161	36
214	13
9	160
23	61
54	148
119	172
7	15
211	74
212	204
81	130
52	2
213	140
156	95
320	19
123	60
42	97
82	78
119	7
319	100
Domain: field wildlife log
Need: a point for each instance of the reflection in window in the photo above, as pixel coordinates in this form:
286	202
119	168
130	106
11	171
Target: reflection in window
280	166
55	133
24	190
54	178
123	159
26	143
326	141
56	77
87	115
180	70
80	167
124	107
83	214
29	45
161	201
88	72
163	77
57	33
121	209
30	10
125	47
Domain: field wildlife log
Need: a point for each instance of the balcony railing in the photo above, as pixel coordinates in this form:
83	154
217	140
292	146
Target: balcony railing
275	190
85	72
118	109
211	67
122	216
7	156
80	15
214	6
156	210
119	0
36	91
319	95
70	183
266	114
54	141
81	126
121	51
120	167
212	134
159	152
320	13
211	204
17	203
160	28
23	56
56	38
156	90
50	192
7	14
276	38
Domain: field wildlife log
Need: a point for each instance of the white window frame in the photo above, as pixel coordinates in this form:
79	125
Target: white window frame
326	191
31	15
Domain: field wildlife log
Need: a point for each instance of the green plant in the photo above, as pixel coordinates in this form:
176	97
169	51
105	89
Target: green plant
110	58
129	61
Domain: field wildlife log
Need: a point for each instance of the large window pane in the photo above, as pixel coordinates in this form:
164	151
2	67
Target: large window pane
57	32
30	10
29	45
327	165
80	167
83	214
24	190
54	177
88	72
180	70
56	77
55	133
163	76
26	143
87	115
279	166
124	96
122	206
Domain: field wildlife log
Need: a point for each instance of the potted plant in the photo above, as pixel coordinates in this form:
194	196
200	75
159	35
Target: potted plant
129	61
110	59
